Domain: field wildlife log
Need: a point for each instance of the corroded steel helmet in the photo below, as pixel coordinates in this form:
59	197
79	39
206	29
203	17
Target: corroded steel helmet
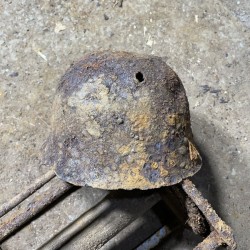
121	121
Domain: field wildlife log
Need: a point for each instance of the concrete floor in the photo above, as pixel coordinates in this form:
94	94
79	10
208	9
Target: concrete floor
206	42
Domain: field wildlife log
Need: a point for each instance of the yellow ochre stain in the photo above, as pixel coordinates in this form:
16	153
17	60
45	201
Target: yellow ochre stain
140	122
163	172
164	134
124	150
140	147
154	165
172	119
140	115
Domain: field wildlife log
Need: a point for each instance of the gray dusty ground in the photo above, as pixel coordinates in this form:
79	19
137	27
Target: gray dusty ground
205	42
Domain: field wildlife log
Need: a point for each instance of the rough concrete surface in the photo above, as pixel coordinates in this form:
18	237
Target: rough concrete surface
206	42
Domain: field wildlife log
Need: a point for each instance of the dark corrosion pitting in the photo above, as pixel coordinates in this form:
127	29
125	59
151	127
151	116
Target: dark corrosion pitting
121	121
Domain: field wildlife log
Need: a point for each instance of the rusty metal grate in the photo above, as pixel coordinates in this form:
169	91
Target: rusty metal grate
118	219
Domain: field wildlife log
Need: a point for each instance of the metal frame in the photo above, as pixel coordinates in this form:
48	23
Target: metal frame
220	233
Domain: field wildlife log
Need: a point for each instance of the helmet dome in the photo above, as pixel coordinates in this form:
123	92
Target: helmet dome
121	121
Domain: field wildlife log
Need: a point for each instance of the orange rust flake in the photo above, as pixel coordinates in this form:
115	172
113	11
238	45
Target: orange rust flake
193	153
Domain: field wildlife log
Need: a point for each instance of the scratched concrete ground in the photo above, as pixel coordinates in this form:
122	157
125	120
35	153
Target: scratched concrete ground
206	42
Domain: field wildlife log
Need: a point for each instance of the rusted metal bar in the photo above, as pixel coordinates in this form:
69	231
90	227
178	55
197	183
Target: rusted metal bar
212	242
175	201
185	209
75	227
113	214
36	205
155	239
6	207
222	229
137	232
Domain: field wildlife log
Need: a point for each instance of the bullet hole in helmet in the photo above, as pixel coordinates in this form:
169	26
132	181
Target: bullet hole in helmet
139	76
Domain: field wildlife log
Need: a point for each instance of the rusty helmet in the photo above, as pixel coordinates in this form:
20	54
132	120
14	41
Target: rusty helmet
121	121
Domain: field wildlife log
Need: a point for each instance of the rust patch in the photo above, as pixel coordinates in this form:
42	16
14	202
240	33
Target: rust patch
124	150
172	119
140	122
154	165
